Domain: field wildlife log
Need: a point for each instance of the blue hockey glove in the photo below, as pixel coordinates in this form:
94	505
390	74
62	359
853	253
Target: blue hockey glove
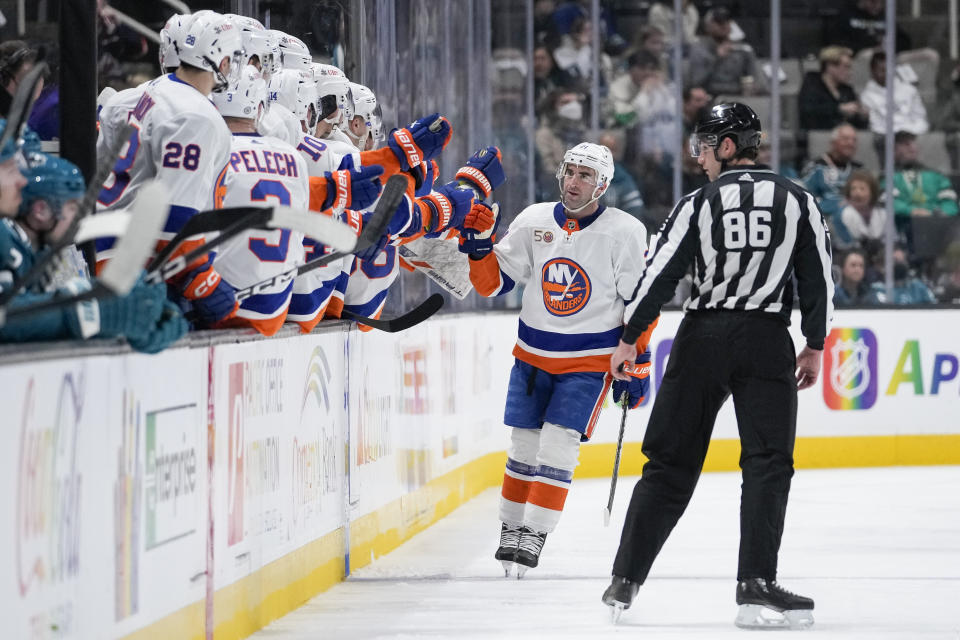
478	229
212	299
448	207
418	142
483	171
639	384
355	188
170	327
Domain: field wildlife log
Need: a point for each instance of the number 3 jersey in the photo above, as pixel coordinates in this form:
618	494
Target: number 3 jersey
179	139
262	172
578	277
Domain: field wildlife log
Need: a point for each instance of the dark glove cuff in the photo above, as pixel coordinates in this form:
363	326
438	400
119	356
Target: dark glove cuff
630	335
817	345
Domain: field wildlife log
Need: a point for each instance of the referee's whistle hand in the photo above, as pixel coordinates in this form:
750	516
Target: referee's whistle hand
808	367
624	352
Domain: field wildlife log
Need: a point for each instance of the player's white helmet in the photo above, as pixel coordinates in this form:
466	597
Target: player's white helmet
587	154
366	107
257	41
209	38
170	35
334	91
243	100
293	53
297	92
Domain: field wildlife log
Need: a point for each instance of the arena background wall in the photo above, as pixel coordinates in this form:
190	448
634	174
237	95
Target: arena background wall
212	488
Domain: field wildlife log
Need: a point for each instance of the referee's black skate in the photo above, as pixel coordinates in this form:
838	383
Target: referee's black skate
619	596
507	553
766	605
528	553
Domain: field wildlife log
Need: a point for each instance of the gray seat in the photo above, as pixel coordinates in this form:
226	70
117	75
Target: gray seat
818	142
933	151
925	63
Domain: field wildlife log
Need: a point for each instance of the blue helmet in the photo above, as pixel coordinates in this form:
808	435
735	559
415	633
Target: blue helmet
53	179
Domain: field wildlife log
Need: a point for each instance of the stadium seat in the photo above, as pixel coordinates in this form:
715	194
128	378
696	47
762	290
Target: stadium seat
933	151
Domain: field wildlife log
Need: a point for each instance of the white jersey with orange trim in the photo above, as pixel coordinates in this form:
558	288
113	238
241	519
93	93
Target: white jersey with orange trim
112	115
578	277
279	122
180	140
263	171
369	282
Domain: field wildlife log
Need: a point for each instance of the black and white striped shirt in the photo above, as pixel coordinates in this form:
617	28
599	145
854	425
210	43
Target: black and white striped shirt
747	234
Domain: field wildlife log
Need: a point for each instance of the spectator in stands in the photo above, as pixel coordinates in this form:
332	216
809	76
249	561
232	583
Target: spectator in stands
853	288
826	98
626	86
909	114
575	53
696	101
907	288
651	40
918	191
623	192
561	127
661	16
950	120
826	177
17	58
547	76
862	215
45	116
717	63
861	25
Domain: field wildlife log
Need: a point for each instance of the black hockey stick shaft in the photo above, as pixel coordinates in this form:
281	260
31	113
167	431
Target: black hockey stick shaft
401	323
625	401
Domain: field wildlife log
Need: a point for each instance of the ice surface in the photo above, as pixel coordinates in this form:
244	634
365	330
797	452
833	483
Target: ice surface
877	549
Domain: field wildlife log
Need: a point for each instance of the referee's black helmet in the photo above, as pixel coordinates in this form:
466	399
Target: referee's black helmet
733	120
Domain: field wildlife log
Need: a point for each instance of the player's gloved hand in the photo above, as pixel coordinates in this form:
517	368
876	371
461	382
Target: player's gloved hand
170	327
478	229
483	171
421	141
213	300
355	188
448	206
639	384
133	315
373	250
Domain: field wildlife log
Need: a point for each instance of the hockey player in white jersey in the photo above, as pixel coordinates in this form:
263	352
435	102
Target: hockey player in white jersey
336	106
262	171
579	262
180	140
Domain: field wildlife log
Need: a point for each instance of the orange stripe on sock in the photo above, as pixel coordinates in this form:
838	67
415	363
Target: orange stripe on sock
547	496
515	490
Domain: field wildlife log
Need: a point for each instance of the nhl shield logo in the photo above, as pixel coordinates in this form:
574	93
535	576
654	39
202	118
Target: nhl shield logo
850	363
566	286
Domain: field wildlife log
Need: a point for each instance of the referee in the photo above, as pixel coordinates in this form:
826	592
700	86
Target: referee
748	235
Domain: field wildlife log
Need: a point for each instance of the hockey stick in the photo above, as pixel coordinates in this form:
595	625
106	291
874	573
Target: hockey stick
87	204
625	401
401	323
377	225
121	273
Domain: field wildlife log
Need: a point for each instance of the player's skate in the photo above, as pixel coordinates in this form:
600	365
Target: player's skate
528	553
766	605
507	553
619	596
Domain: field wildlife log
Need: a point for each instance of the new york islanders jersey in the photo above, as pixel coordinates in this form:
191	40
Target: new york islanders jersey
262	171
179	139
578	277
279	122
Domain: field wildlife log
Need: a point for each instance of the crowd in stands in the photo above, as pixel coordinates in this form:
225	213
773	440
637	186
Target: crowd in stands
832	138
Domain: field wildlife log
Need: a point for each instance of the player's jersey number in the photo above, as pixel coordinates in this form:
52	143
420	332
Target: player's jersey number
121	172
261	247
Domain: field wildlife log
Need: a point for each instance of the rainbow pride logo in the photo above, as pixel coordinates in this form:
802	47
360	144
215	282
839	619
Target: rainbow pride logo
850	369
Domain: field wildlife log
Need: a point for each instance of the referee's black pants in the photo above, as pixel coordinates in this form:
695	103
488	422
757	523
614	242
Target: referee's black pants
716	354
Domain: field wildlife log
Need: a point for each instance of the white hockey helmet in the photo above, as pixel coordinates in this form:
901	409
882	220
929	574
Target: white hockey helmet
293	53
208	39
595	156
366	107
297	92
333	89
243	99
257	41
170	35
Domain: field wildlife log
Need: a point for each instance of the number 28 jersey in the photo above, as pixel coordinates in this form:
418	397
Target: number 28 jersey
179	139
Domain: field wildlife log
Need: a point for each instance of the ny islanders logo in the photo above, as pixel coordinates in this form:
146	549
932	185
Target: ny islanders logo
566	287
850	369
